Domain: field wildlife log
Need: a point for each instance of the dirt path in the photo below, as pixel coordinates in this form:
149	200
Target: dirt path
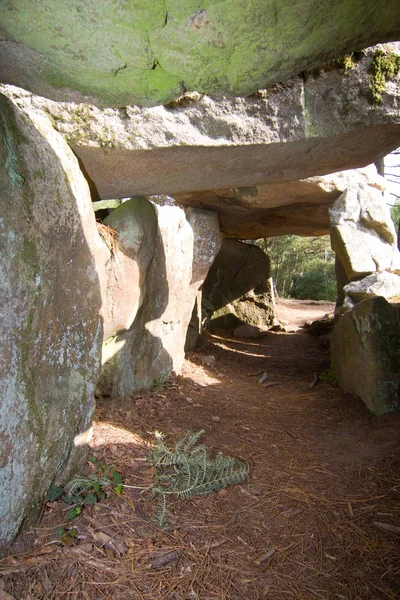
303	527
295	313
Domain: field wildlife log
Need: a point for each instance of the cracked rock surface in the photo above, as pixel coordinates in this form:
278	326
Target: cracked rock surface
147	53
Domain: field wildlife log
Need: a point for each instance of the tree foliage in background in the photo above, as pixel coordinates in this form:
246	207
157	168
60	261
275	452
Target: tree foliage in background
302	267
392	174
395	212
318	282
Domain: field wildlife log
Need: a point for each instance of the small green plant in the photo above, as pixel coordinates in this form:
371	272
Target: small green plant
67	536
187	470
384	66
349	62
329	376
81	490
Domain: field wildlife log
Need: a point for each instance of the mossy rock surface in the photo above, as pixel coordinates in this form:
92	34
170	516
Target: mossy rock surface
148	53
365	348
50	326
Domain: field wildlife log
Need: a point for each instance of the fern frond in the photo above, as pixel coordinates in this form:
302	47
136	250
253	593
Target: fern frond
186	470
81	484
190	439
162	514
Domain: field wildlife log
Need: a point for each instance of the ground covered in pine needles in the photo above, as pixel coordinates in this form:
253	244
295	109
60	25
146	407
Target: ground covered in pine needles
318	518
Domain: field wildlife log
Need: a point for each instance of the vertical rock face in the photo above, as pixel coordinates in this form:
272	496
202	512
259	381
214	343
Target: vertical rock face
366	354
136	225
182	248
238	290
50	326
364	239
362	232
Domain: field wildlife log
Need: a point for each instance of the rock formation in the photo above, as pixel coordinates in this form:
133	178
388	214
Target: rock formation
50	324
261	162
162	260
149	53
364	239
291	207
237	289
381	283
61	286
365	354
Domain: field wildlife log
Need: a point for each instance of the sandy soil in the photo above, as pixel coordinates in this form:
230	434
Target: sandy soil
318	518
295	313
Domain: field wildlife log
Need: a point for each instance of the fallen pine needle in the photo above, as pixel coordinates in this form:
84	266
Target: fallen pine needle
387	527
264	557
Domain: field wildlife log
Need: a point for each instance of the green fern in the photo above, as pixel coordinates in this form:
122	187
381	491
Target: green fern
83	484
187	470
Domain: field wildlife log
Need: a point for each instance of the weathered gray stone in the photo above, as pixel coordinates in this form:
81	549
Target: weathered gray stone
341	281
150	52
381	283
195	324
362	233
365	347
237	289
308	127
295	207
50	326
183	248
247	331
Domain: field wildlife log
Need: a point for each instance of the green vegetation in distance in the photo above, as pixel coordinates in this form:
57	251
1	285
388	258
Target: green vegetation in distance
395	213
302	267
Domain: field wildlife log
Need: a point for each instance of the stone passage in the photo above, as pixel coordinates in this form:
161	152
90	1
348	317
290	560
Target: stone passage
237	290
50	327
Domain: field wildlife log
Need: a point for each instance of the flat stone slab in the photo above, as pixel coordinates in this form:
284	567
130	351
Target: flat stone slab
192	149
295	207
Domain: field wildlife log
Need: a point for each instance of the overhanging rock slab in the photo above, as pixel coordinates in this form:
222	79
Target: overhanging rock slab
150	52
295	207
311	126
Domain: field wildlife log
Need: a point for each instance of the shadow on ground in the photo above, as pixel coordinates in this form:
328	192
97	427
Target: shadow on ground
307	525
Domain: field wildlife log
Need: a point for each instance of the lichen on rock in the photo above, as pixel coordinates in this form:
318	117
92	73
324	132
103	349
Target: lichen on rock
385	66
50	324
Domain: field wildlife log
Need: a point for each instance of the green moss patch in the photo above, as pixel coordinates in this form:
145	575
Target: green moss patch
385	66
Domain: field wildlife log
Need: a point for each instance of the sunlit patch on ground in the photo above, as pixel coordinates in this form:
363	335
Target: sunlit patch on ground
107	433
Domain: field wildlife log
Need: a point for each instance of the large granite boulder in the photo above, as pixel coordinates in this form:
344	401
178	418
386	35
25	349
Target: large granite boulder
365	346
238	288
168	256
362	233
381	283
148	53
50	323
